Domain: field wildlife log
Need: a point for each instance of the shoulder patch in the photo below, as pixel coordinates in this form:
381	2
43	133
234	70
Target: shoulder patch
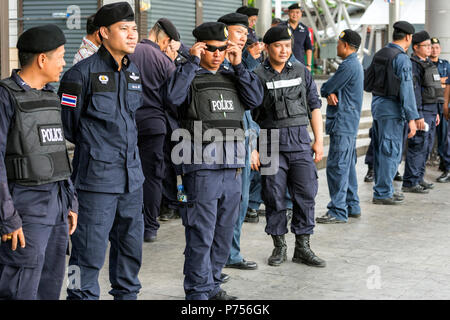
69	92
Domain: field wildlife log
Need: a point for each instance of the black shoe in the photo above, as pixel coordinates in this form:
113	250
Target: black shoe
444	178
426	184
399	196
167	214
327	218
224	277
222	295
251	216
398	177
441	165
261	212
415	189
149	238
243	265
304	254
387	201
279	253
369	176
354	215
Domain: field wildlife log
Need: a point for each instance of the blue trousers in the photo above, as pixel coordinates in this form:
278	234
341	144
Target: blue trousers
102	217
387	146
446	153
298	173
209	217
255	199
441	134
419	149
341	177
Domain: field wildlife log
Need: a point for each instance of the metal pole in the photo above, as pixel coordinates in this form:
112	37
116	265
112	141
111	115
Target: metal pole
437	23
278	9
264	17
394	16
4	39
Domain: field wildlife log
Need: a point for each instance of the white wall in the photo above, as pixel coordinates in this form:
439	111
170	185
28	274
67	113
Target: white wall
12	24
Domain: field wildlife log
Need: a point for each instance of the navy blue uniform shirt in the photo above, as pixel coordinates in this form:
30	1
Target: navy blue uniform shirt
418	75
101	123
22	203
155	68
302	41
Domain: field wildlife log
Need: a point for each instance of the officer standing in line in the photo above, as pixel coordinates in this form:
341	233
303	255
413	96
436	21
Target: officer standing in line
237	33
37	199
443	68
302	41
389	78
155	68
290	102
99	97
344	92
445	177
428	92
213	186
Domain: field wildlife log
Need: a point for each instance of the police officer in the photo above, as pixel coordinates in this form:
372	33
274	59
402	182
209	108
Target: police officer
37	200
290	102
344	93
99	97
428	92
445	177
155	68
389	78
443	68
302	41
211	96
254	46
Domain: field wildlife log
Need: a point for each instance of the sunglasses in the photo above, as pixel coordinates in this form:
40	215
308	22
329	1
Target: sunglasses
214	48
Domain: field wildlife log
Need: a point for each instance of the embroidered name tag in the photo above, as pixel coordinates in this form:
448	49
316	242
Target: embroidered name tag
283	83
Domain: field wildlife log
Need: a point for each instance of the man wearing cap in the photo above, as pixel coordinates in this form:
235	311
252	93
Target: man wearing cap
428	92
99	98
389	78
37	199
302	41
254	47
155	68
443	68
344	93
211	99
290	102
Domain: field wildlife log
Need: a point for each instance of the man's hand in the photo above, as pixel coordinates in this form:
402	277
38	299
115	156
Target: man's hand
73	220
16	236
438	120
318	150
172	49
254	160
198	49
255	50
420	124
412	129
332	100
309	68
234	53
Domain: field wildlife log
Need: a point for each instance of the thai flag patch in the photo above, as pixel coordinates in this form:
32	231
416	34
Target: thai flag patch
68	100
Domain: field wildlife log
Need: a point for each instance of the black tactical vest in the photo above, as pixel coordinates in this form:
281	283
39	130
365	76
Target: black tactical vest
431	82
216	103
36	150
380	78
284	103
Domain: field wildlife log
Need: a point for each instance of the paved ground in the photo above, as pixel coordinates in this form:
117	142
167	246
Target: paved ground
398	252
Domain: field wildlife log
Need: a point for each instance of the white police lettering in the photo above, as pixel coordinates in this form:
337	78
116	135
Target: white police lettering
51	135
222	105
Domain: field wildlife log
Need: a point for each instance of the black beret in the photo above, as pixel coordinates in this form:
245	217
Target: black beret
211	31
234	18
248	11
112	13
405	27
169	28
351	37
294	6
435	40
420	37
277	33
41	39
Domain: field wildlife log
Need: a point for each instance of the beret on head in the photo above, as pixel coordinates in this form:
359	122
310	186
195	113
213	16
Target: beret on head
211	31
435	40
112	13
294	6
420	37
248	11
41	39
277	33
169	29
234	18
405	27
351	37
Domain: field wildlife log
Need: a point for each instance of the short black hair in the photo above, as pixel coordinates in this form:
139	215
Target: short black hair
25	58
90	26
276	20
398	35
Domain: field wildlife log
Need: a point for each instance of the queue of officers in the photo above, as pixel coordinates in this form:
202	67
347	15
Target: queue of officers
122	101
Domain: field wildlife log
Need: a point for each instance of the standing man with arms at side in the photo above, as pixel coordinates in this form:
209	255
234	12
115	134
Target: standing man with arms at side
99	97
445	177
344	92
389	78
37	198
90	43
155	68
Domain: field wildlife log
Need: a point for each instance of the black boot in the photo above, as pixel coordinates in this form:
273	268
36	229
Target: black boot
279	254
304	254
370	176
